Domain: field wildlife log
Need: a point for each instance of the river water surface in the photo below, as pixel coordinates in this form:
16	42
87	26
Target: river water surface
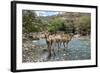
77	49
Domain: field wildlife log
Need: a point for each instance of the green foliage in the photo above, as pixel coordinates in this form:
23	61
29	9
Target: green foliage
56	25
30	22
69	27
33	23
84	24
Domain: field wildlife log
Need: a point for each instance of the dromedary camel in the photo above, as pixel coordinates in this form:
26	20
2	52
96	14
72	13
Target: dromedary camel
53	39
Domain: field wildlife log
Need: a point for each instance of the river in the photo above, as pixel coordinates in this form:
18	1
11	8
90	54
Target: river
77	49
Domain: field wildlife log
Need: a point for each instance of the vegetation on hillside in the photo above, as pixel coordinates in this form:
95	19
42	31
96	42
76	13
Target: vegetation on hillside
68	22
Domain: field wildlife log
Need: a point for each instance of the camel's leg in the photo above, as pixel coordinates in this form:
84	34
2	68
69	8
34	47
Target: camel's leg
64	44
53	44
58	44
53	51
67	44
49	49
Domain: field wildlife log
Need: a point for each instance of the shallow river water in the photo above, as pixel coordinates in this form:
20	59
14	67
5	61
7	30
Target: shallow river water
77	49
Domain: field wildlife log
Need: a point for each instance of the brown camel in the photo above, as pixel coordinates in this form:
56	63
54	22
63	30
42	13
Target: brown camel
56	39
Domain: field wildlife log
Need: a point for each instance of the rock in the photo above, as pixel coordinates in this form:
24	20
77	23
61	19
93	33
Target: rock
64	54
26	49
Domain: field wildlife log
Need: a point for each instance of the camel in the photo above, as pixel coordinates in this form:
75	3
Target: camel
59	39
33	36
66	38
49	40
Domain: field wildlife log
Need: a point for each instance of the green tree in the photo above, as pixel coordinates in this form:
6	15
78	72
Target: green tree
30	21
56	24
84	24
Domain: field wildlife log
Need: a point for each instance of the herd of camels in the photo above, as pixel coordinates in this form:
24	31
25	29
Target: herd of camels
55	39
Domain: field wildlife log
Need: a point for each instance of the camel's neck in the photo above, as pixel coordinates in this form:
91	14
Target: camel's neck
46	36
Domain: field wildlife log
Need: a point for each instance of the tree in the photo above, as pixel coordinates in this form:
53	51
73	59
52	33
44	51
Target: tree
57	24
30	22
84	24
